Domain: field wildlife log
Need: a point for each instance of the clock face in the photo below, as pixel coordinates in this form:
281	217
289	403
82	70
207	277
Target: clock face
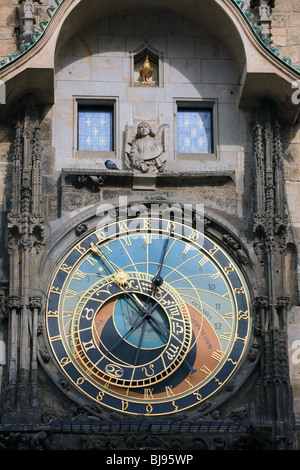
148	316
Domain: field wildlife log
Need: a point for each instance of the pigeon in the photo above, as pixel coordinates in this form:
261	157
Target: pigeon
111	165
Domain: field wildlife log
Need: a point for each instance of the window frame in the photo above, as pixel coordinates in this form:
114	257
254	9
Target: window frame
202	104
97	102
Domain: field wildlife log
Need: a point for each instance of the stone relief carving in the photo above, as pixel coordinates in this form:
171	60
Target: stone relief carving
145	150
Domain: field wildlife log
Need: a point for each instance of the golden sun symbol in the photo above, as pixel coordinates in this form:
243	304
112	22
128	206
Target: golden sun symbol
121	277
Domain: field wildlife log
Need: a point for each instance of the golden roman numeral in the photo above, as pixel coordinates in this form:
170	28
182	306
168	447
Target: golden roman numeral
203	261
148	393
217	355
206	370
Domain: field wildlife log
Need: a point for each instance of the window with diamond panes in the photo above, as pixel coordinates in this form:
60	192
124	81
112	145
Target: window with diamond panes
194	126
95	128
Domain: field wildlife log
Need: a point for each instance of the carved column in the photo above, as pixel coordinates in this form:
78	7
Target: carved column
25	231
14	305
270	222
35	304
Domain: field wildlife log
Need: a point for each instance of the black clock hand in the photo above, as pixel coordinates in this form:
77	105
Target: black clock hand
163	329
140	343
115	268
158	280
98	252
131	329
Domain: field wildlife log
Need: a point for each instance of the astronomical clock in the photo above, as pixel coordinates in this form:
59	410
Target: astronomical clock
148	317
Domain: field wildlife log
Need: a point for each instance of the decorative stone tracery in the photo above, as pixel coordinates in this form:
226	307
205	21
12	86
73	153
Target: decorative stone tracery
25	239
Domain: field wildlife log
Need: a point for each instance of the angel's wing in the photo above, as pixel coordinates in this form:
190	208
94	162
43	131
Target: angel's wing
163	136
130	133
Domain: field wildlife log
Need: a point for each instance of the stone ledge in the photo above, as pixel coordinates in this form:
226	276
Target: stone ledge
97	178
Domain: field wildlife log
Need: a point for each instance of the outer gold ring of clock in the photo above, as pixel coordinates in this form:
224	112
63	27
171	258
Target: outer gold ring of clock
97	374
103	393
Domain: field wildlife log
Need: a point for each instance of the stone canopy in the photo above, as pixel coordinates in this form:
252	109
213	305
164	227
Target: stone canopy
261	73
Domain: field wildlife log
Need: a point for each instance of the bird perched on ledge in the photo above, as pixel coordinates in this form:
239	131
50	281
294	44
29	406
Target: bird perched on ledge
110	165
146	72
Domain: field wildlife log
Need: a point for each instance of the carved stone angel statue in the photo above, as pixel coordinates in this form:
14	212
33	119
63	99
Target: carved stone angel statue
146	151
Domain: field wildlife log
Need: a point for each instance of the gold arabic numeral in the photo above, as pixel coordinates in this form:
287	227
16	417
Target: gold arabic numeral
198	395
65	361
81	249
229	269
213	250
232	361
125	405
175	406
100	235
239	290
52	314
55	290
171	226
218	381
240	339
123	227
149	409
147	224
243	315
80	381
100	396
55	338
64	267
194	236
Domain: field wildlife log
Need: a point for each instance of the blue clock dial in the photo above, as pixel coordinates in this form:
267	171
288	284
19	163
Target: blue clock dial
148	316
